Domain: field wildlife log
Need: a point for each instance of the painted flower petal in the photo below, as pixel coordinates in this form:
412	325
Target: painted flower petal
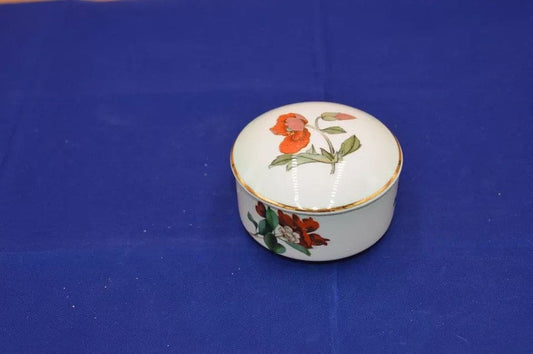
285	220
317	240
294	142
295	124
280	128
344	116
309	225
289	122
305	239
260	208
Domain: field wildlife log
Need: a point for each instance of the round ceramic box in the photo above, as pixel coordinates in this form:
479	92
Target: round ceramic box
316	181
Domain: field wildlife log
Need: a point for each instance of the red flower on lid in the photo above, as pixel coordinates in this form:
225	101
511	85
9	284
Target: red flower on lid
292	126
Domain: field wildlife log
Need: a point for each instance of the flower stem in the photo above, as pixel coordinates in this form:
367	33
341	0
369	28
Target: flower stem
331	149
330	145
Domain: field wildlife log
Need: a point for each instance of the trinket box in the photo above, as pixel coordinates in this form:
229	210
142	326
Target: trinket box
316	181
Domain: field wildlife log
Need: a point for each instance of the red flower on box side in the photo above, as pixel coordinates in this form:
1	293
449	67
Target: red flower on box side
278	229
292	126
303	227
260	208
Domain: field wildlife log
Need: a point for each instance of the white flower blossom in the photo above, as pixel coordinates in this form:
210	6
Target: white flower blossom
288	234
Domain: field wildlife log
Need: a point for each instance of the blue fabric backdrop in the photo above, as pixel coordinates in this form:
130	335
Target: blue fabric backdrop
118	223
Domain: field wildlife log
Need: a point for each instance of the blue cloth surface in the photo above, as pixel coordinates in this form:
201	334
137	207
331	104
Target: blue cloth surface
119	229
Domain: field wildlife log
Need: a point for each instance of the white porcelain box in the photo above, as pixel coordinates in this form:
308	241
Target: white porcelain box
316	181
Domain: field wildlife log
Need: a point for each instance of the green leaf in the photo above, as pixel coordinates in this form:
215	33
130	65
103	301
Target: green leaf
252	220
349	145
304	158
326	153
299	248
334	130
270	241
281	160
279	248
263	228
271	218
329	116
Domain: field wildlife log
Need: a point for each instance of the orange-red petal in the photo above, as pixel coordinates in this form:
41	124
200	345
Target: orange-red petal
317	240
294	142
309	225
281	127
285	220
289	122
305	240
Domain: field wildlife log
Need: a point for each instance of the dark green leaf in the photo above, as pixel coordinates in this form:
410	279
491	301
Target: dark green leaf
279	248
263	228
270	241
281	160
252	220
329	116
299	248
326	153
349	145
271	218
334	130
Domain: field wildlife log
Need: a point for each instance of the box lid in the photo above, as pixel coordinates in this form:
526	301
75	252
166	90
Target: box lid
316	157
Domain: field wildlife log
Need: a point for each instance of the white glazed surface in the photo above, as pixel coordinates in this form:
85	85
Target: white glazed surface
349	232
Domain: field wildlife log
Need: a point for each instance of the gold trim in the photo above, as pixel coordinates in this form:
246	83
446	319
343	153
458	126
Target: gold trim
325	210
